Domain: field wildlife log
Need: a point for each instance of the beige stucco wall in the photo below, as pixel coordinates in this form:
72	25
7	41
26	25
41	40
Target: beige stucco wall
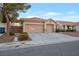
77	28
59	26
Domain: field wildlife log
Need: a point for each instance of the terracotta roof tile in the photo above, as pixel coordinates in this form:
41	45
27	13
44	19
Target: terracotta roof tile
66	23
40	20
34	19
77	23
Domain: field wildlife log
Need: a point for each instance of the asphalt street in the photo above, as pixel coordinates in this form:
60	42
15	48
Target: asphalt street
61	49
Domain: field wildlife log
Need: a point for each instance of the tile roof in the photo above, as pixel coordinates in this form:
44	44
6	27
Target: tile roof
40	20
66	23
34	19
77	23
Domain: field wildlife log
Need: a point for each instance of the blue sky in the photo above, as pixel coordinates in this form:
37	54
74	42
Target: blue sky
56	11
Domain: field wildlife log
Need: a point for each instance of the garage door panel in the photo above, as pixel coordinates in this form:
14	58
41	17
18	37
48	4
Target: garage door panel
50	28
33	28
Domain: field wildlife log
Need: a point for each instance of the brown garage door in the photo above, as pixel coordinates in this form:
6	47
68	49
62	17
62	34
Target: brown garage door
34	28
49	28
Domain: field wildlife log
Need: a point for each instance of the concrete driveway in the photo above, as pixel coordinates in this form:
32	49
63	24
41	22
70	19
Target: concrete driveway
39	39
51	38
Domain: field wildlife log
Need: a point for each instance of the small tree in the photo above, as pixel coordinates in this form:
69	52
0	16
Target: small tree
9	12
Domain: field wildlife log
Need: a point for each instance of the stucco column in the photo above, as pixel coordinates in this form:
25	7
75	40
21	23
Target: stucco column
54	27
44	26
65	27
23	27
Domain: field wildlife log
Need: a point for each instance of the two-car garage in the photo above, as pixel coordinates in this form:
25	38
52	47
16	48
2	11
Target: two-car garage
39	28
35	26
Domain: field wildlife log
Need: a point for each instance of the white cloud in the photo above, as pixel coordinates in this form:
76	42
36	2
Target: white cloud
30	16
38	12
71	12
51	14
69	18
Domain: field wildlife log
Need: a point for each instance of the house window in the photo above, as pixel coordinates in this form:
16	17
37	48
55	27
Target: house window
16	24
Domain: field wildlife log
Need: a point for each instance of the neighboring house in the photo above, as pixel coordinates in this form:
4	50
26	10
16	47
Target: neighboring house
38	25
77	26
65	25
16	26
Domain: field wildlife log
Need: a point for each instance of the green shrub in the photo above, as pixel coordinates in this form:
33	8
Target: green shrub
57	30
24	33
68	30
71	30
74	30
23	36
11	33
60	30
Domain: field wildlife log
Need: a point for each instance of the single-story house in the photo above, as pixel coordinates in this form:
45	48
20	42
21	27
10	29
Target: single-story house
38	25
65	25
34	25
